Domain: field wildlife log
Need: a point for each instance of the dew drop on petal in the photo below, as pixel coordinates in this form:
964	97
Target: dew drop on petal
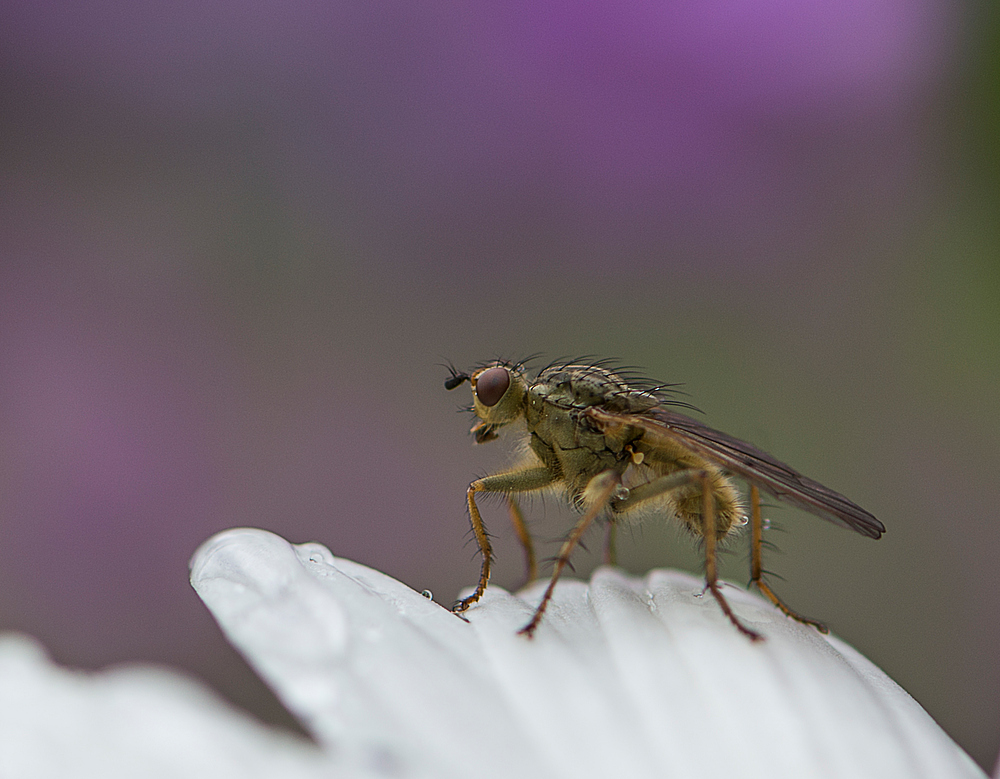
315	553
428	594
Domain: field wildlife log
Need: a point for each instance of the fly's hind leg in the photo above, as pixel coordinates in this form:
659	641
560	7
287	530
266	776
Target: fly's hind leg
673	481
756	569
523	480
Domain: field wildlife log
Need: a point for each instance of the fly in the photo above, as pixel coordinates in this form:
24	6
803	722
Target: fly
618	448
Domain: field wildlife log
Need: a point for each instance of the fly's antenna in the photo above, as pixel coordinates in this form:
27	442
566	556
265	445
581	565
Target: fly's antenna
456	379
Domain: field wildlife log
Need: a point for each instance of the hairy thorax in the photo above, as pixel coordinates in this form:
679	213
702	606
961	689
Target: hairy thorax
566	442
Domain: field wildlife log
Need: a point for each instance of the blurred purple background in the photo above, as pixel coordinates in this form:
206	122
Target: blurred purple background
238	240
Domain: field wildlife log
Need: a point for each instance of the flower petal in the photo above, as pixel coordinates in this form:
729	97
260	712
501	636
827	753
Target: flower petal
137	721
625	677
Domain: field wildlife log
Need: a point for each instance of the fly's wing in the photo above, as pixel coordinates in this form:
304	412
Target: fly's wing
746	460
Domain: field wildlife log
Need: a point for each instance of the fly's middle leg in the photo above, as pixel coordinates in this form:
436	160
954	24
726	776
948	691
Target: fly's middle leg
610	543
711	572
606	484
524	536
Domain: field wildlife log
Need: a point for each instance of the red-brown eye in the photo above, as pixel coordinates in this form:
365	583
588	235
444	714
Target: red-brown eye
491	385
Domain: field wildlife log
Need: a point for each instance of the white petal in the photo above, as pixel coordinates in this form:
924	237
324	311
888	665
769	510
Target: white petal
625	677
129	722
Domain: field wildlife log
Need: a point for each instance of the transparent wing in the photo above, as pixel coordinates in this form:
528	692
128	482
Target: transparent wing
746	460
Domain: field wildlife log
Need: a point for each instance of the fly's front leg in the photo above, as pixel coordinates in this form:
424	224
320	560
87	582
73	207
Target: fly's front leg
513	481
673	481
756	568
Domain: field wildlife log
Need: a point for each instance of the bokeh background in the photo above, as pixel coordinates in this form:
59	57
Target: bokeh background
238	239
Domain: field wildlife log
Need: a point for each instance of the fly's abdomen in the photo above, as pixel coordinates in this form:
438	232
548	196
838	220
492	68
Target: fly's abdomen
685	503
728	509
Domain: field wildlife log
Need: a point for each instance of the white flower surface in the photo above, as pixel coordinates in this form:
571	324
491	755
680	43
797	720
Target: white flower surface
135	722
625	677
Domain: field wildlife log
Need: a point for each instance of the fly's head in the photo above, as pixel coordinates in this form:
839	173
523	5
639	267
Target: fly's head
498	391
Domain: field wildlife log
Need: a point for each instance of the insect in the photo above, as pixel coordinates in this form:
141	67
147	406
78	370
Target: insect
617	448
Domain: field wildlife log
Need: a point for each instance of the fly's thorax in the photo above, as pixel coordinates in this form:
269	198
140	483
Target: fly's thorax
568	447
581	386
561	428
581	468
566	441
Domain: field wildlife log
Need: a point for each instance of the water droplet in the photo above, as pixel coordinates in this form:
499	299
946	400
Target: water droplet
315	553
766	524
621	493
741	520
428	594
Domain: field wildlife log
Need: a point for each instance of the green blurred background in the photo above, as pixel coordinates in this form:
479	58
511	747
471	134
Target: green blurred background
237	243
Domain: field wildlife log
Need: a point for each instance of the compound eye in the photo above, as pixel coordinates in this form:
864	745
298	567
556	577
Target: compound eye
491	386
